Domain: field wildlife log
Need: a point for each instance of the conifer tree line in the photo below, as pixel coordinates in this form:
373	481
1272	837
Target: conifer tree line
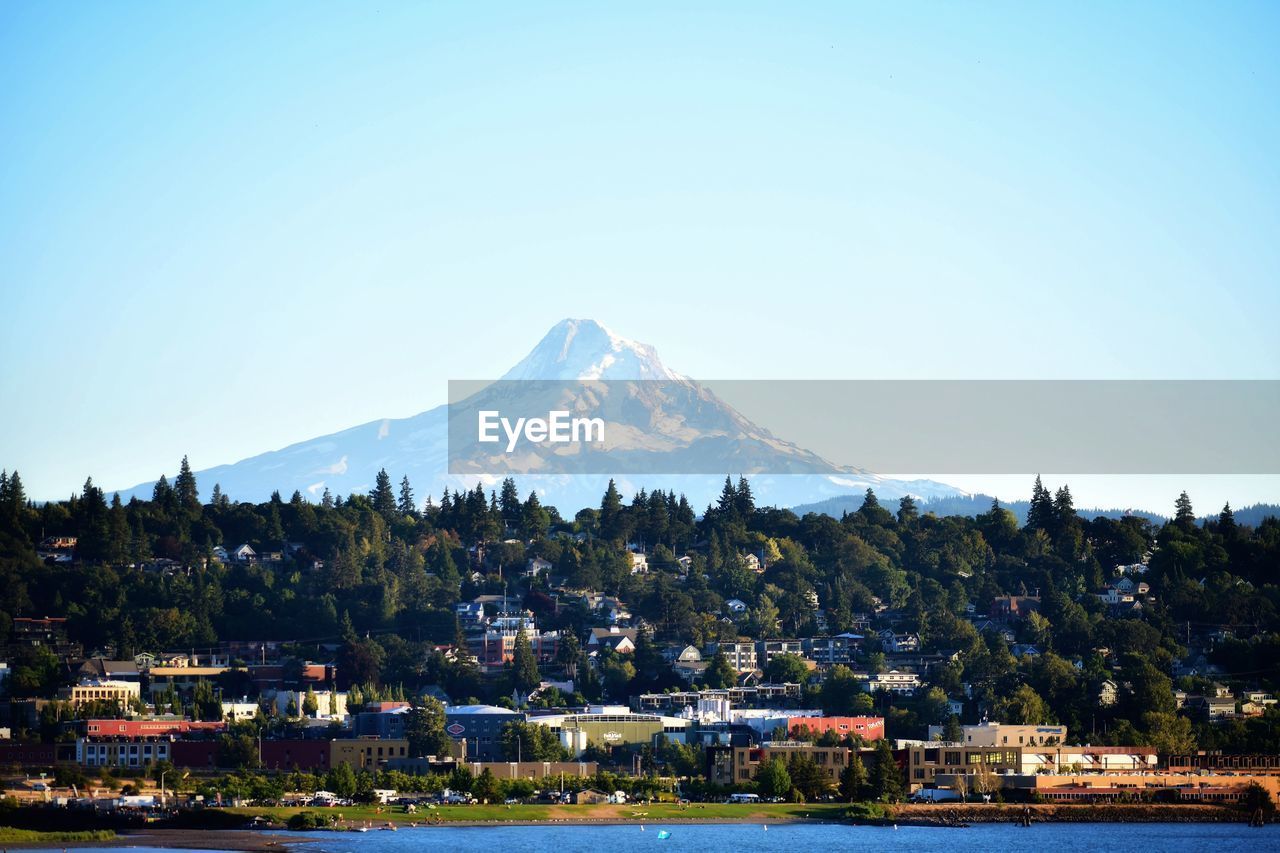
377	576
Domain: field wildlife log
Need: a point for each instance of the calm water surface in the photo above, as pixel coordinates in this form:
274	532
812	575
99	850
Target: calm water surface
806	838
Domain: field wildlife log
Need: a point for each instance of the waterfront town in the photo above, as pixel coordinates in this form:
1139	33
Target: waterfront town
489	650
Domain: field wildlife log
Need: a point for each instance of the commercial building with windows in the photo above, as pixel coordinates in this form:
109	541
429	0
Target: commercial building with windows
867	728
366	753
612	725
925	761
737	765
479	729
123	692
121	751
1004	734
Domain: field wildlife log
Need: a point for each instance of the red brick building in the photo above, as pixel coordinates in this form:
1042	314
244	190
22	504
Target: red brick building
867	728
302	754
194	754
27	754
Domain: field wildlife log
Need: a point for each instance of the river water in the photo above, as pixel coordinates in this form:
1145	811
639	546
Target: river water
804	838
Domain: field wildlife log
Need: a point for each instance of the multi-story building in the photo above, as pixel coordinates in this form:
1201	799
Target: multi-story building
737	765
925	761
828	651
741	656
1111	787
893	681
366	753
500	769
26	754
1217	762
138	751
755	696
496	645
867	728
767	650
183	679
330	704
150	727
123	692
295	754
479	729
382	722
609	726
1005	734
1089	759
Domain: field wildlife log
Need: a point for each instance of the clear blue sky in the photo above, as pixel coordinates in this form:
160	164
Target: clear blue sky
227	227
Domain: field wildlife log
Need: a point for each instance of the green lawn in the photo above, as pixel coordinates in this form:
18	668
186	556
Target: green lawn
657	813
9	835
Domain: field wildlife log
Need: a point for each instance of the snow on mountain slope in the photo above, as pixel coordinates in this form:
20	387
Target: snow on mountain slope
685	420
584	349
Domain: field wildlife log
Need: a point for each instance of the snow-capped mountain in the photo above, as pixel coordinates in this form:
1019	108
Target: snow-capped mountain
584	349
672	425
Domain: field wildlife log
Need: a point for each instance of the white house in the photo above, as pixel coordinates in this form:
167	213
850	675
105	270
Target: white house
639	563
892	681
536	566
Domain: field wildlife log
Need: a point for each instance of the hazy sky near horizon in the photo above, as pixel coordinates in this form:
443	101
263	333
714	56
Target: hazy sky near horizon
228	227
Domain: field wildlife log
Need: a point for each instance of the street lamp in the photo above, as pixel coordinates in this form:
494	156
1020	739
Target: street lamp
164	773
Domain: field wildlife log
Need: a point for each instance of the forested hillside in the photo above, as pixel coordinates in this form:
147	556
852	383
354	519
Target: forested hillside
375	578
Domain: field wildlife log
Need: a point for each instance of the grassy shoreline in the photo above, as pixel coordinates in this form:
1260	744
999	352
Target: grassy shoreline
12	836
565	814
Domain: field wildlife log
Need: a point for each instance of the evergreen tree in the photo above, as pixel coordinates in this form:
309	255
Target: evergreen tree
1184	515
721	673
509	503
406	505
853	779
952	731
1040	514
611	511
162	493
1227	522
524	665
184	487
886	780
744	500
727	506
310	702
907	511
424	729
1063	506
534	520
383	499
275	528
17	496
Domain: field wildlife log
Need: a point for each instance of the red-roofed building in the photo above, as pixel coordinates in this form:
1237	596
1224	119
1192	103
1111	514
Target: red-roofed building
147	728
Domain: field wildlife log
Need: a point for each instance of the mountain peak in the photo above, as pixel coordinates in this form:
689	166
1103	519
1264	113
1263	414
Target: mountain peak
586	349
